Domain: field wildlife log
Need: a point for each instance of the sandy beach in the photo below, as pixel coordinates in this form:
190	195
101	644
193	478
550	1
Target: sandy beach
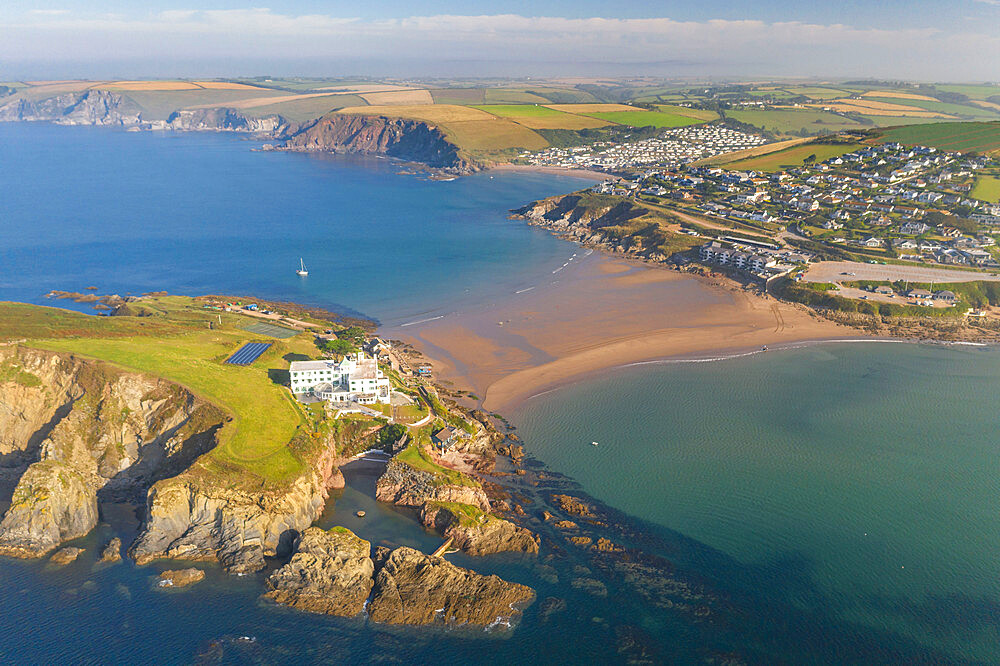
598	313
561	171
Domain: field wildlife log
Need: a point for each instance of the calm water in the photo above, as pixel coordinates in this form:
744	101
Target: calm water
202	213
838	502
858	478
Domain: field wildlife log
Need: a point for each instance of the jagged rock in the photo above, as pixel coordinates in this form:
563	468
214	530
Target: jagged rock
404	485
565	525
190	520
66	555
475	532
180	577
414	588
580	540
113	551
248	559
572	505
89	107
412	140
551	606
331	572
52	503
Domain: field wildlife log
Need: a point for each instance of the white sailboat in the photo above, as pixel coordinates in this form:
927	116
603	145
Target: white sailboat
302	268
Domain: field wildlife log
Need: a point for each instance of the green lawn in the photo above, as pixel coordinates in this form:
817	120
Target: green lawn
987	189
646	118
413	456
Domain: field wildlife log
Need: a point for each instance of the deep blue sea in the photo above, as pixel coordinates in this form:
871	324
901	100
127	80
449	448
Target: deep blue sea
834	504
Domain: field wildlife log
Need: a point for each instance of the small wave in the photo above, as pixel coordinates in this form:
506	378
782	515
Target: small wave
421	321
521	291
557	270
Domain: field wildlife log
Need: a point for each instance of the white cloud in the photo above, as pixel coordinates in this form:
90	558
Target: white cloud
49	12
714	46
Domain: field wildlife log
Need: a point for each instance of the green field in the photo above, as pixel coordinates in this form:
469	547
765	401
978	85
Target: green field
174	342
987	189
960	110
981	92
963	137
792	157
503	96
646	118
698	114
793	121
458	95
520	110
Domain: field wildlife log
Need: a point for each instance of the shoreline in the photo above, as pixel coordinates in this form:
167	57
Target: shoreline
604	312
586	174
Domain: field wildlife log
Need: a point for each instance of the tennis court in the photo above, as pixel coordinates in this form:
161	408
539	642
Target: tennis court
248	353
270	330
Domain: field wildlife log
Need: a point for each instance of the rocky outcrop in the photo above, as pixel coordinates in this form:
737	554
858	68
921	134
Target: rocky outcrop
64	556
411	140
414	588
404	485
226	120
331	572
180	577
82	431
189	520
88	107
52	503
112	552
477	533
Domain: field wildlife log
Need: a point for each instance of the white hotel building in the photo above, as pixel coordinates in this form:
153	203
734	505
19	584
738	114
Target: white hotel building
354	379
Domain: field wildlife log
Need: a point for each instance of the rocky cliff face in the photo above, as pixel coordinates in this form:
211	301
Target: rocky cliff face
102	107
406	486
567	215
82	431
414	588
189	519
51	504
410	140
90	107
226	120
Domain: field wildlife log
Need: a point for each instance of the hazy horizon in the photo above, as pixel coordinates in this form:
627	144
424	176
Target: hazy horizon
910	41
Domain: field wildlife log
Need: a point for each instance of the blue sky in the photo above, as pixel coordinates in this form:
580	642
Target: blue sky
915	39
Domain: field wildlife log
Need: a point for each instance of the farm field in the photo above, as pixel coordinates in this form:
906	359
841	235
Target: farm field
875	107
792	157
305	107
962	110
591	108
747	153
793	121
965	137
891	94
479	133
646	118
983	91
458	96
987	189
542	117
158	105
697	114
402	97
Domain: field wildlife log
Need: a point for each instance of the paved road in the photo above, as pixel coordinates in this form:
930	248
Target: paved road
833	271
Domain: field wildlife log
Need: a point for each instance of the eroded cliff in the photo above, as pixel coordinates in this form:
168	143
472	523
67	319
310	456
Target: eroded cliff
410	140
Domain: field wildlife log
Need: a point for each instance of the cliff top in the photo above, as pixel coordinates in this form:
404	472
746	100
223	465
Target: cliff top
186	340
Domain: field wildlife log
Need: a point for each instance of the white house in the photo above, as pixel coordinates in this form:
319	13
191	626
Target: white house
353	379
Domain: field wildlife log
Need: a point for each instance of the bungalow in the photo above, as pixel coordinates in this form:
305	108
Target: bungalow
884	290
945	295
919	294
914	228
830	224
872	242
444	438
904	244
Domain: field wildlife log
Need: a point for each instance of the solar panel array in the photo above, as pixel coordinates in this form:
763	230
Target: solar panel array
248	353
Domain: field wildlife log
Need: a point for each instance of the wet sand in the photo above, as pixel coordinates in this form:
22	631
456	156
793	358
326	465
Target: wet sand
597	313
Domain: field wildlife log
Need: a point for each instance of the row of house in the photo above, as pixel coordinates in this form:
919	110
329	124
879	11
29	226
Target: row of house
717	253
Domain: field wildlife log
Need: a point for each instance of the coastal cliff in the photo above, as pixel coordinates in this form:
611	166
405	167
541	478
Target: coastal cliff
90	107
608	223
78	431
410	140
105	108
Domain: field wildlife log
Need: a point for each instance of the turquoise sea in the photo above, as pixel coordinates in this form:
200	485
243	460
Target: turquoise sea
830	504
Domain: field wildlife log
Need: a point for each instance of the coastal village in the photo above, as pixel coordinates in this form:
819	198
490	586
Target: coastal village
886	204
